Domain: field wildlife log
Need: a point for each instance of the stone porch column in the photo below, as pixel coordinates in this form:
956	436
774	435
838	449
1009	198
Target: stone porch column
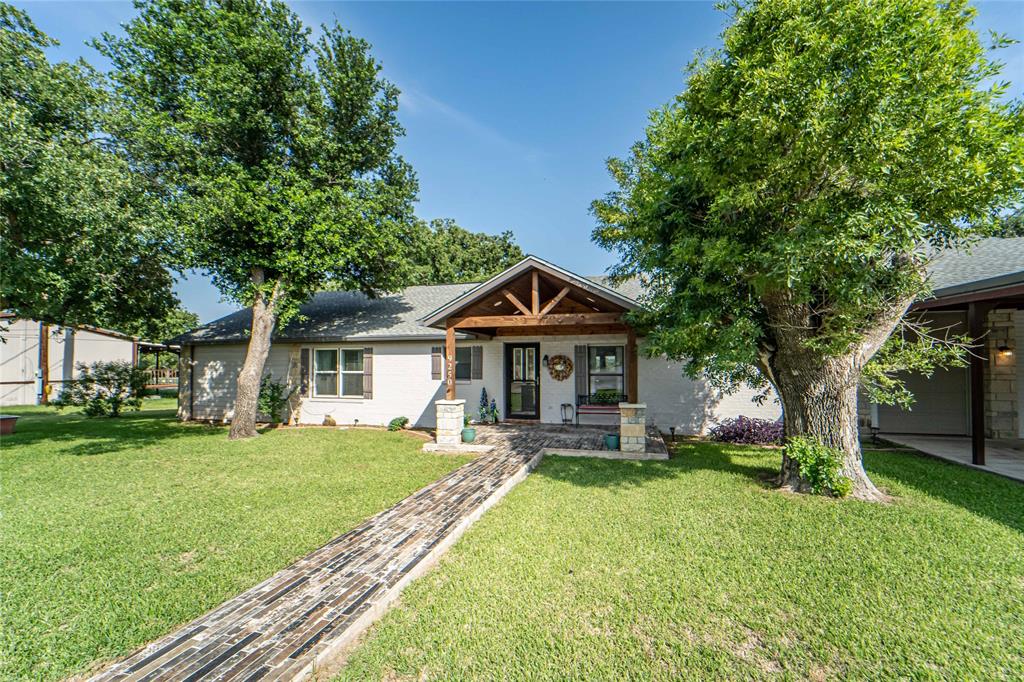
449	421
633	427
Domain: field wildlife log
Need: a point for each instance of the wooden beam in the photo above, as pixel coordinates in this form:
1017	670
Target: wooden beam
553	302
976	314
632	367
449	362
535	321
44	361
535	291
565	330
516	302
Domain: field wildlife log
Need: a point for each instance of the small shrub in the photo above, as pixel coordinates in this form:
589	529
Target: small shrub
398	423
105	389
820	466
273	398
606	396
749	431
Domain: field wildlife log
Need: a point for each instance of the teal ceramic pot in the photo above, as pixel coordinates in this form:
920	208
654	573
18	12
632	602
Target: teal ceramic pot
611	441
468	435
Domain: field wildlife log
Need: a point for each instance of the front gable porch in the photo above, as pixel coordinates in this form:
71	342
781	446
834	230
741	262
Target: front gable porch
537	299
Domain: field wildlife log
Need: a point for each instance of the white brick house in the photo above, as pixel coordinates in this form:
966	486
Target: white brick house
365	360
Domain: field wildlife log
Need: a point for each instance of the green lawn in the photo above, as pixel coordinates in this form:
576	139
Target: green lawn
694	569
116	530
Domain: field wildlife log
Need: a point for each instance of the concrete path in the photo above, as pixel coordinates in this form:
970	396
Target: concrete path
1005	458
300	619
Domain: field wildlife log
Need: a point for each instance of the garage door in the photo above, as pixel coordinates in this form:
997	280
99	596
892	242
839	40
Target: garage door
940	405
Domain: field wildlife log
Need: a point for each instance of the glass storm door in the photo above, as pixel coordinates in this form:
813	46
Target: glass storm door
522	381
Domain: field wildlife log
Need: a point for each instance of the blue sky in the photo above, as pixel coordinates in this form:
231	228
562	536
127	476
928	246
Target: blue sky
510	109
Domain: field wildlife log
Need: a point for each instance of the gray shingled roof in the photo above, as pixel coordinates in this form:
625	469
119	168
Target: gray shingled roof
345	315
988	263
340	316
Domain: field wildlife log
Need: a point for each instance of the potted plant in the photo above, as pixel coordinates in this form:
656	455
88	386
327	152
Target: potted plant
468	432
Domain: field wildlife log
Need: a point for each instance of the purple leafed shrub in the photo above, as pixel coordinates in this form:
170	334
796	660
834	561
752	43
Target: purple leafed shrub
748	430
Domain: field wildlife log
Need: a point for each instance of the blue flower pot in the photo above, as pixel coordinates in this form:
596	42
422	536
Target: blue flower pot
611	441
468	435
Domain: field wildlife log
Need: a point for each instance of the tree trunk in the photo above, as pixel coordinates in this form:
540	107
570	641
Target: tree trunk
819	391
264	317
821	403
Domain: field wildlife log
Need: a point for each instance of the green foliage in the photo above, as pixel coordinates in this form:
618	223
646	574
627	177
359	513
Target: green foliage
398	423
104	389
275	154
795	188
1012	224
606	396
916	349
274	397
820	466
445	253
80	240
177	321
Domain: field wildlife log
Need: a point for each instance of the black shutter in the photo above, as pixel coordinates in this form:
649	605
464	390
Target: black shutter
304	372
368	373
582	373
477	363
436	362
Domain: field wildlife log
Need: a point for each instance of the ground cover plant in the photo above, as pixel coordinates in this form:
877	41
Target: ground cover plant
695	568
115	531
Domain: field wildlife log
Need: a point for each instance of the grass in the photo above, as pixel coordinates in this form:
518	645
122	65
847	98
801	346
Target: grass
695	569
117	530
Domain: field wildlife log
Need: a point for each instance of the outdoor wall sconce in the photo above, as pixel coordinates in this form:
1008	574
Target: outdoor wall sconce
544	362
1005	351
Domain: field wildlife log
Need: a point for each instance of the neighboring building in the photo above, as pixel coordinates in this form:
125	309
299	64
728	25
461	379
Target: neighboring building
354	358
36	359
980	293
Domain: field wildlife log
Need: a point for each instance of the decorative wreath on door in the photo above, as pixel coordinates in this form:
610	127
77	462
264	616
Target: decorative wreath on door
560	367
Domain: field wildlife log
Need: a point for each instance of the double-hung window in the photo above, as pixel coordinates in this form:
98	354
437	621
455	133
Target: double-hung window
463	363
338	368
606	369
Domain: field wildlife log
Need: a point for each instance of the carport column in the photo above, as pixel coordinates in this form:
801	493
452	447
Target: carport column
633	427
449	421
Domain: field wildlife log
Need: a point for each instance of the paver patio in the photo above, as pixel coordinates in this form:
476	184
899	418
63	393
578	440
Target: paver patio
304	616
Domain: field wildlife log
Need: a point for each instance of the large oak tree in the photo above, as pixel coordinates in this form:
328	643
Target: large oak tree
783	209
80	240
275	152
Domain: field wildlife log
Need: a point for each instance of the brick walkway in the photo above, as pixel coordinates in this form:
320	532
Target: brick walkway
296	621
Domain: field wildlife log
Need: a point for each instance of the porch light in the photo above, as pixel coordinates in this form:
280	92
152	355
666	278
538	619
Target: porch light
1004	351
544	362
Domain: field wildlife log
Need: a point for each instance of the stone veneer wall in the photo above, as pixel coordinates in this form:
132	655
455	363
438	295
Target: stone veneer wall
1001	405
633	427
449	421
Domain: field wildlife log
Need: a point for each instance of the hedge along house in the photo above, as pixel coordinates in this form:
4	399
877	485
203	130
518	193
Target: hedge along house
547	345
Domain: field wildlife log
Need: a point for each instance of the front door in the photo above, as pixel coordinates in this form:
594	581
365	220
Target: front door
522	381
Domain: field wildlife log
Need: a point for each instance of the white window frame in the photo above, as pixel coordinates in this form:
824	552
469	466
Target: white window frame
338	372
